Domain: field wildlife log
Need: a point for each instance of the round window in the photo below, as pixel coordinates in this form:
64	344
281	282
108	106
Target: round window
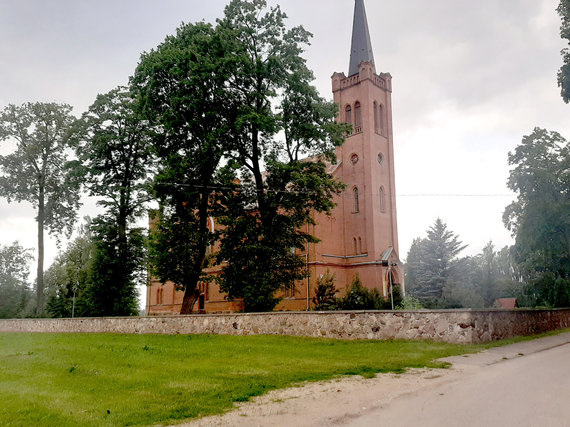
354	159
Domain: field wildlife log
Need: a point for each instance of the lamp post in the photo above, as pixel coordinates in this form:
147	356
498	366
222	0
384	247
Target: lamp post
73	306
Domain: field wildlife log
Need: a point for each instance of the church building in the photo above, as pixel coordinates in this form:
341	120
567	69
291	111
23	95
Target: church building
360	236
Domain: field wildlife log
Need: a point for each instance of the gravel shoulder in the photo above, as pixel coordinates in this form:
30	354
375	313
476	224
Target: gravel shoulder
343	400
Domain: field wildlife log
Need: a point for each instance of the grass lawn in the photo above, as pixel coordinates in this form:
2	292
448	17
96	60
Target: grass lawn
105	379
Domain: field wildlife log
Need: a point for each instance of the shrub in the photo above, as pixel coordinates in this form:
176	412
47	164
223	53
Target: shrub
325	293
359	297
409	303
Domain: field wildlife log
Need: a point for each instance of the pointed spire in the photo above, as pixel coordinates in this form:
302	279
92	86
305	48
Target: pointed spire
361	49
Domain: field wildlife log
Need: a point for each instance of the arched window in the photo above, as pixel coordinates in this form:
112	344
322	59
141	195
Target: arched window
382	200
360	245
348	114
376	124
381	118
355	206
354	247
357	118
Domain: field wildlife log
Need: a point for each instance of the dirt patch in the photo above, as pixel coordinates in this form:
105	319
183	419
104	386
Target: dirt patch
327	403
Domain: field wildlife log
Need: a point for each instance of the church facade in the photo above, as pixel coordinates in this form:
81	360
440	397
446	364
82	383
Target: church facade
360	236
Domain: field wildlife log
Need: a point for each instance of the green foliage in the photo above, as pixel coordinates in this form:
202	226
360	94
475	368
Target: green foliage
107	379
38	170
467	282
325	293
15	294
564	72
68	279
430	261
409	303
237	94
113	144
540	217
183	86
117	269
359	297
280	119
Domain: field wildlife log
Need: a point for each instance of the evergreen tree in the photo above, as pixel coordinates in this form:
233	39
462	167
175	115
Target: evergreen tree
431	261
325	293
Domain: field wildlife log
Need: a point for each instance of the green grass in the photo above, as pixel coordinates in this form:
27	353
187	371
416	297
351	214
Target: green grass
108	380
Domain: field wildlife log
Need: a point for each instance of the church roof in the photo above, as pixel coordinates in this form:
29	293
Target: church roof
361	48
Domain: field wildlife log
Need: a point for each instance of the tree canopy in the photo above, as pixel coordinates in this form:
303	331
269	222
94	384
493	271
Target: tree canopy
237	116
429	262
15	293
113	145
183	89
38	170
281	120
540	217
564	72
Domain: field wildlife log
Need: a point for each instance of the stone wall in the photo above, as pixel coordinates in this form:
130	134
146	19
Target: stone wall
456	326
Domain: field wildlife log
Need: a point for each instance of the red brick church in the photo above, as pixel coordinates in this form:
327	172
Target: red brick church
361	234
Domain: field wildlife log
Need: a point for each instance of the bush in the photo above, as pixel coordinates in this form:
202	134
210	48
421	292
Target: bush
360	298
409	303
325	293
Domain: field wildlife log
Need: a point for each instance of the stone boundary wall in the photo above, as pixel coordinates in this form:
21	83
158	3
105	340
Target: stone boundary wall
454	326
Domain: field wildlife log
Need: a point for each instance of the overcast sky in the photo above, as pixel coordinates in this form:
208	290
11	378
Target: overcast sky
469	80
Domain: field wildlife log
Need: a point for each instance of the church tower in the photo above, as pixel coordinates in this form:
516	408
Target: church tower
365	163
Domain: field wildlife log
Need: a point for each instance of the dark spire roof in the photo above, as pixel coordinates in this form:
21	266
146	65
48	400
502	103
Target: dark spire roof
361	49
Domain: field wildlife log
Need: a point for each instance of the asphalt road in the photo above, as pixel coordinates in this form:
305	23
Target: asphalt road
526	384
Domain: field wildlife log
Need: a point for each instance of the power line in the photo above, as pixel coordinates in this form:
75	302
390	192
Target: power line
227	188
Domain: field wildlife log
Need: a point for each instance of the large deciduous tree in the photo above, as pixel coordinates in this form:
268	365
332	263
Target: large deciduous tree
37	170
14	287
237	95
183	87
540	217
113	144
280	120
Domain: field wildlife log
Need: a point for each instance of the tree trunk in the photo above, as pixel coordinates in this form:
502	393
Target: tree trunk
191	293
40	272
190	298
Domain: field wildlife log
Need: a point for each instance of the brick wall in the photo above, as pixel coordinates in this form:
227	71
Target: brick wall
456	326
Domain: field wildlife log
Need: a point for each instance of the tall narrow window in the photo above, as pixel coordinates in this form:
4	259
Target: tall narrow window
360	245
382	200
381	118
354	247
357	118
348	114
355	206
376	124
